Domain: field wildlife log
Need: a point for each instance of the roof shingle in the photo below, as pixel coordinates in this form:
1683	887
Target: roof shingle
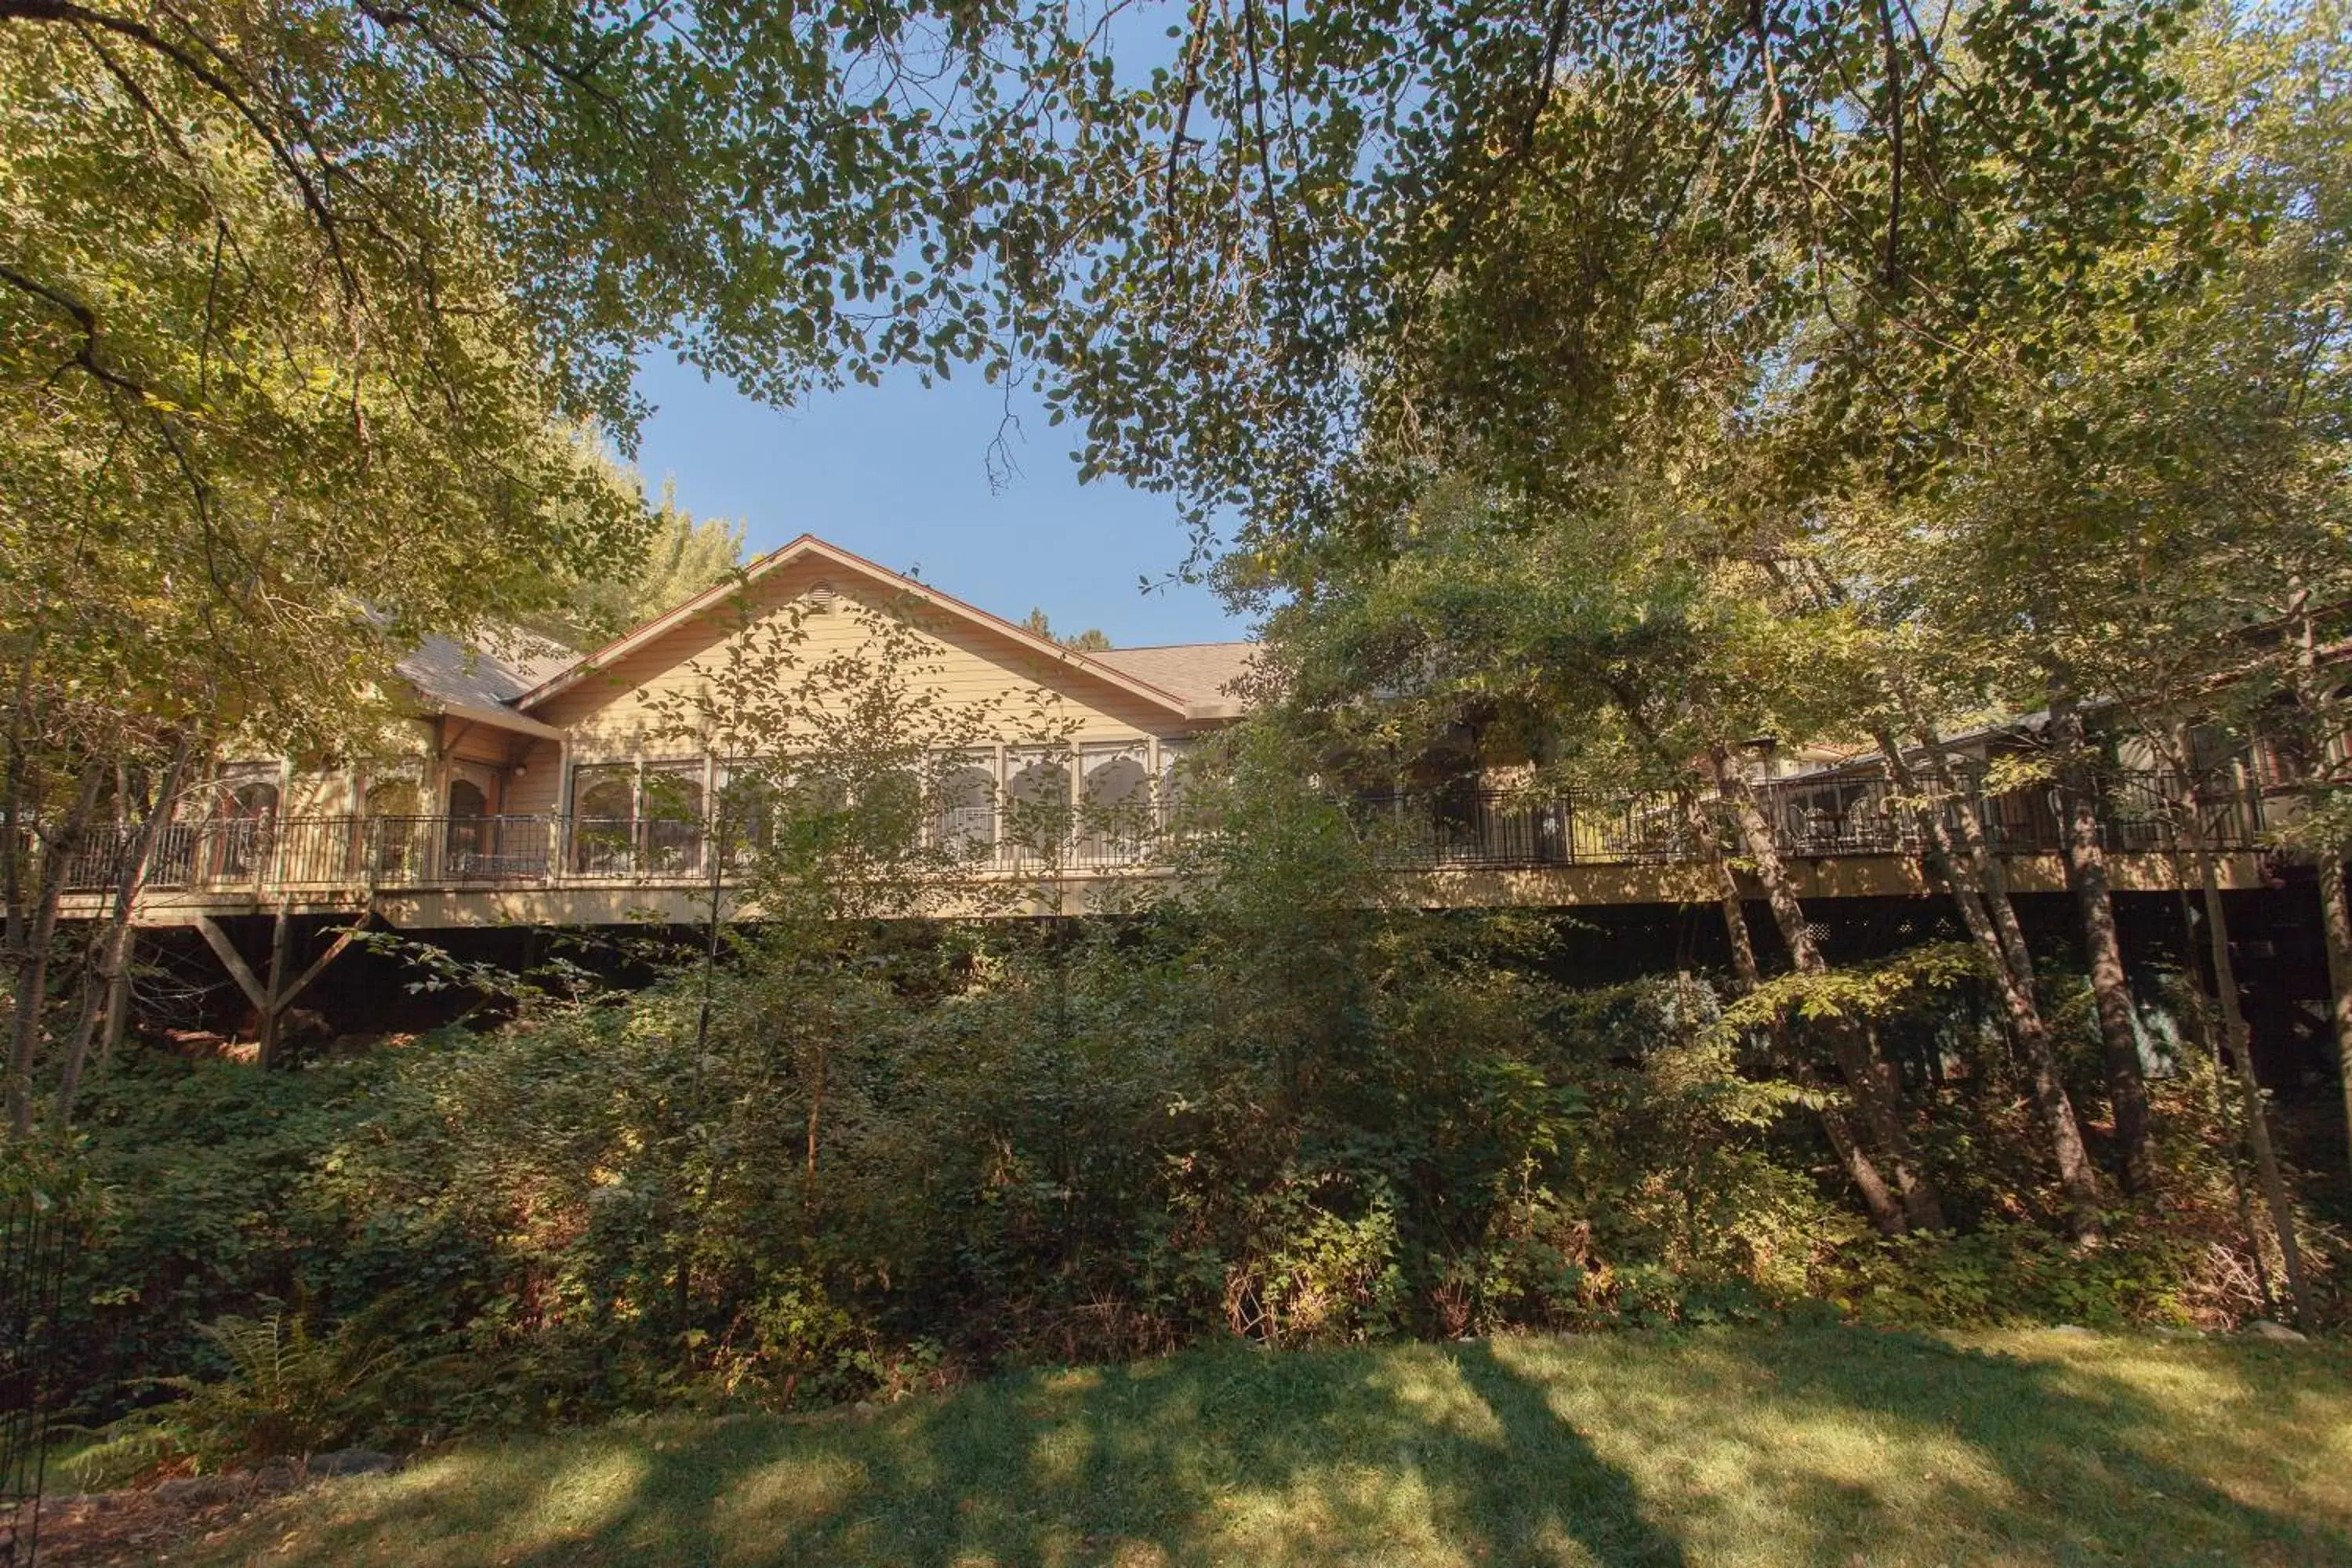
487	670
1204	674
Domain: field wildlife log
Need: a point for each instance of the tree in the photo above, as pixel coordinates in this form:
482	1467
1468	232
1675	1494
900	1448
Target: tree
2140	509
681	557
226	505
1622	664
1091	640
840	763
1799	277
301	307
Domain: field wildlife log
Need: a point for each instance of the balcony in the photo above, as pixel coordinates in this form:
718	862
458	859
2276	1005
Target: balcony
1811	819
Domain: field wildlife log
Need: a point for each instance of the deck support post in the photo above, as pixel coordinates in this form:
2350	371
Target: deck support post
281	940
271	1001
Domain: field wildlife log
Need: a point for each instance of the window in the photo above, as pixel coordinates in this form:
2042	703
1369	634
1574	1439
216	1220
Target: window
467	842
604	820
963	808
1174	763
673	807
391	797
1036	801
248	827
890	810
1114	801
745	817
390	821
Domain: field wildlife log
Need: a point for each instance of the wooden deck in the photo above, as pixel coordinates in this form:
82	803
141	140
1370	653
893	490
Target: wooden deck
1842	838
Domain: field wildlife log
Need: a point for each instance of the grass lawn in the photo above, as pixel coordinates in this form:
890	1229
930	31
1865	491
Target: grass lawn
1738	1447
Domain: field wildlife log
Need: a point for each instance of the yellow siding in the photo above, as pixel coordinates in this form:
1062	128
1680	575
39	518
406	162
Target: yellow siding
615	713
325	794
535	790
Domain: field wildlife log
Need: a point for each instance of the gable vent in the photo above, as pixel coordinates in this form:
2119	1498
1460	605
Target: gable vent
821	597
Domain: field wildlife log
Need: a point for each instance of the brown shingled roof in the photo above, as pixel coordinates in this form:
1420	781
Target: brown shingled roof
1204	674
488	670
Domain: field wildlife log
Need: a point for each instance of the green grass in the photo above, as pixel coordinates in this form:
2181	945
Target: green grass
1735	1447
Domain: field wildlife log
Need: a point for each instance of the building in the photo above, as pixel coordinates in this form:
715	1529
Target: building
529	785
536	788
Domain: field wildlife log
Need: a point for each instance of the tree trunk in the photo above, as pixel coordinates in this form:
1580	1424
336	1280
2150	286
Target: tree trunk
815	1117
106	991
2078	1179
33	967
1958	876
2336	929
2201	1017
2320	731
1876	1095
1885	1209
2238	1037
2087	874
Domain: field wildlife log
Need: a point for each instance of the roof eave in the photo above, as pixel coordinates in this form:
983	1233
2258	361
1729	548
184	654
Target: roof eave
503	718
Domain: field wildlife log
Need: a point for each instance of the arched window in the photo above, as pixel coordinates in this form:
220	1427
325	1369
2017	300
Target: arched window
1037	803
391	797
603	821
1114	803
964	809
248	814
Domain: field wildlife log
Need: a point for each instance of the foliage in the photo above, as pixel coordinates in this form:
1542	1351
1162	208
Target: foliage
681	558
314	317
1860	991
286	1390
858	1158
1091	640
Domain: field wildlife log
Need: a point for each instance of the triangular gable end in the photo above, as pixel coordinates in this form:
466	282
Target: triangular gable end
808	547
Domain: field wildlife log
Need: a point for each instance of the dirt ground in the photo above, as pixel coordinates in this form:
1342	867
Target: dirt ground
148	1525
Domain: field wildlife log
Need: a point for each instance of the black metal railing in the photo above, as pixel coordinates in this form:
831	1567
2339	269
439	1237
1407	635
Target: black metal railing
1814	817
327	852
36	1242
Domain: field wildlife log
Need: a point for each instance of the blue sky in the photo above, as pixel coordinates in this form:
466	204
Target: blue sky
899	474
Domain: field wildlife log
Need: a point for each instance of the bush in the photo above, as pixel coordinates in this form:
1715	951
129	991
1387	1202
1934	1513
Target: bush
892	1153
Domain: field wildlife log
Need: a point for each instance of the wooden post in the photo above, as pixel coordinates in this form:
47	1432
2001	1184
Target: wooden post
271	1001
273	1008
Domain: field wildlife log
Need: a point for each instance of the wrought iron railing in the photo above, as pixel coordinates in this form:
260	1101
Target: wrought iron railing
1815	817
1825	815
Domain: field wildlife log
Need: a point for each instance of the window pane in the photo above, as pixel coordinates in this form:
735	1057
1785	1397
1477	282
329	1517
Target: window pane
603	819
963	812
1114	801
248	814
1037	800
673	812
746	812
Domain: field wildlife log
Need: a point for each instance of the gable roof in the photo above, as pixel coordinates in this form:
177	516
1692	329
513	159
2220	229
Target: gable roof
1136	682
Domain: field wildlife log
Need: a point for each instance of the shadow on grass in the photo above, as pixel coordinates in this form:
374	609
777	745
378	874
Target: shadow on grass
2093	1464
1790	1447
